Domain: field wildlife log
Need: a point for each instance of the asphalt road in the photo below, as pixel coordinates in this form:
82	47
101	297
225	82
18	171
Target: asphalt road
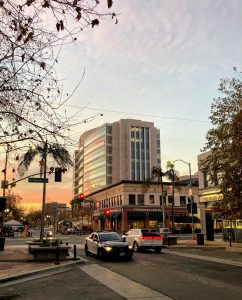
177	277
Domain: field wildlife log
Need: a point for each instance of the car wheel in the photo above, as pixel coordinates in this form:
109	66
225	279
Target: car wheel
135	247
157	249
86	250
100	253
129	256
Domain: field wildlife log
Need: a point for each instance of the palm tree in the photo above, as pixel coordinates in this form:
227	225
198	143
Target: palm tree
172	175
58	153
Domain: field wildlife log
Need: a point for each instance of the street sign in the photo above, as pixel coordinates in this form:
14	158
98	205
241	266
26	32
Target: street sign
36	179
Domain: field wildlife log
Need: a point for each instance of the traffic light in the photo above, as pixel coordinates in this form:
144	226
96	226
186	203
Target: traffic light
58	173
81	197
194	208
107	214
3	203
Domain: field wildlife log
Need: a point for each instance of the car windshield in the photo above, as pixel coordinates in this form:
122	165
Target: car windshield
110	237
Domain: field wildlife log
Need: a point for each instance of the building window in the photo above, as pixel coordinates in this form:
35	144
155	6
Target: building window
182	200
170	200
152	199
141	199
131	199
120	197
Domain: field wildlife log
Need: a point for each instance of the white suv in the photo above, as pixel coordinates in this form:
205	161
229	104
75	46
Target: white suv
144	238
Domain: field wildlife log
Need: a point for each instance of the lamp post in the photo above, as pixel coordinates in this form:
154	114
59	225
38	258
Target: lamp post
190	191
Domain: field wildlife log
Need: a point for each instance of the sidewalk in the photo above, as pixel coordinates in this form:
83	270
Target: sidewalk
16	262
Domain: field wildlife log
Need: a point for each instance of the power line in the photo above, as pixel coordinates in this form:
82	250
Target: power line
136	114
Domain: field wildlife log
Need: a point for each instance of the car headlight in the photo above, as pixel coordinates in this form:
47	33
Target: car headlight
108	248
130	247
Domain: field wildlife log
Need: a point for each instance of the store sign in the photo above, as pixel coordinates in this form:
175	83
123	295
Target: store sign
147	209
211	198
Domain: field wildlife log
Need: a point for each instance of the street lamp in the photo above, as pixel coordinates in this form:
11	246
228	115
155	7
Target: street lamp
190	191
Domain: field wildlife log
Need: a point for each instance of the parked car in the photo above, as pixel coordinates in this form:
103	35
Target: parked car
144	239
165	231
104	244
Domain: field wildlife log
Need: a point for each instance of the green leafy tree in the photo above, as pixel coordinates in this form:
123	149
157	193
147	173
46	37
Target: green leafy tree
223	164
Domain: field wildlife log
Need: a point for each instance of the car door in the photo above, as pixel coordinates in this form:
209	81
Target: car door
129	236
95	242
90	242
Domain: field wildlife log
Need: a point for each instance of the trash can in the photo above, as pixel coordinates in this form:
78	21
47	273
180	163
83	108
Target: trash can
200	239
2	242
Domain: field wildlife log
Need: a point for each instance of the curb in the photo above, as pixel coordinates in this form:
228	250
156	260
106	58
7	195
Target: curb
42	272
206	258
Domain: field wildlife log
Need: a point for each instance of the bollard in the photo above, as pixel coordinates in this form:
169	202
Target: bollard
74	249
57	257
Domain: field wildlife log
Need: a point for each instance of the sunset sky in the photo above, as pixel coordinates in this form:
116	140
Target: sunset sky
162	63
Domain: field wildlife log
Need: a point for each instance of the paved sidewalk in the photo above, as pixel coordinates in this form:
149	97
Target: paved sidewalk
16	262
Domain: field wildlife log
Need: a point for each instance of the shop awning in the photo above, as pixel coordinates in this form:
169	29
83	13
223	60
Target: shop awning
136	215
116	215
186	219
155	216
101	217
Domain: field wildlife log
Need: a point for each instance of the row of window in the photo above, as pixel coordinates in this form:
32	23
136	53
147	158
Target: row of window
139	200
110	202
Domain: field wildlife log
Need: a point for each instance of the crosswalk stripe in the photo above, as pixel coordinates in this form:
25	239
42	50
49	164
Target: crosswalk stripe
125	287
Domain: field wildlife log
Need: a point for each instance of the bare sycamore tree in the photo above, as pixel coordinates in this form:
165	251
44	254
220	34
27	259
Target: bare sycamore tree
31	34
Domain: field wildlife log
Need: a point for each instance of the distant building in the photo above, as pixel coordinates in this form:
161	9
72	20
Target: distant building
132	203
208	194
123	150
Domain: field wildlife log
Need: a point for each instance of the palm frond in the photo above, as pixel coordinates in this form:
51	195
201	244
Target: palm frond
26	160
60	155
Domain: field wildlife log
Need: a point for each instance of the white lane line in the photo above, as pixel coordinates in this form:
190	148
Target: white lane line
123	286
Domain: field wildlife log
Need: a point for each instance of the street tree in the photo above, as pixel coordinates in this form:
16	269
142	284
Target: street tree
223	165
58	153
15	211
170	174
33	217
32	35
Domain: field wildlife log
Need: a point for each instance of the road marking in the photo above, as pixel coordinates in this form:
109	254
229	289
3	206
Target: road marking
125	287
